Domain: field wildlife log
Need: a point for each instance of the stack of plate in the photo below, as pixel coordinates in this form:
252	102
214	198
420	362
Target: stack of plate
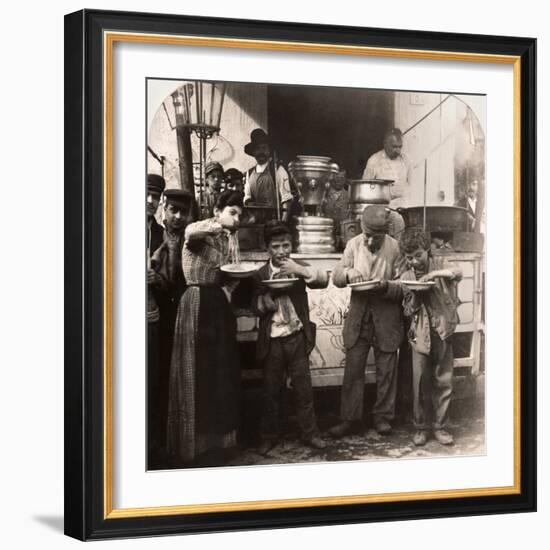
314	235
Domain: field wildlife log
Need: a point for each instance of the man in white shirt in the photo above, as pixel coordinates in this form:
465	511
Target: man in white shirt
266	185
391	164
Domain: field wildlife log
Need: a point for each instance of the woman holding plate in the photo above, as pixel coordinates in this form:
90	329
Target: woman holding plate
205	373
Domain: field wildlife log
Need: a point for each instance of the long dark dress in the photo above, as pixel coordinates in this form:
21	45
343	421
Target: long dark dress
204	374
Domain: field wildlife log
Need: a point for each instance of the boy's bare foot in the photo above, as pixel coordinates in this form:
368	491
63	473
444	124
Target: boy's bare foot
316	442
265	446
382	427
341	429
444	437
420	438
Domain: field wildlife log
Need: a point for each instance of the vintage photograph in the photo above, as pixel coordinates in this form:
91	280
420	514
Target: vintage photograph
315	266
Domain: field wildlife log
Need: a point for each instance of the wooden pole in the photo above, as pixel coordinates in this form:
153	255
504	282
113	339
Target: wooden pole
185	157
425	193
276	188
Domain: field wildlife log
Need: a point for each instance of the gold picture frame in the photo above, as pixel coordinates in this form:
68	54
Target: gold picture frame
100	32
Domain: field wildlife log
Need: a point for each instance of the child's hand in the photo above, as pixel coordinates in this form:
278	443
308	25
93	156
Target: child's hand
429	276
290	267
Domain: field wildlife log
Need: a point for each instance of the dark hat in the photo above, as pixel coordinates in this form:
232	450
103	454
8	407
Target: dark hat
233	174
178	197
257	137
211	166
155	183
375	218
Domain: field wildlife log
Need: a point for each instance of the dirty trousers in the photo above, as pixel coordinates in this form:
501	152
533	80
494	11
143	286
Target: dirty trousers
287	355
432	380
353	387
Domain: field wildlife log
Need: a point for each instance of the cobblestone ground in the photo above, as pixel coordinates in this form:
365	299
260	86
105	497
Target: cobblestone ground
369	445
467	426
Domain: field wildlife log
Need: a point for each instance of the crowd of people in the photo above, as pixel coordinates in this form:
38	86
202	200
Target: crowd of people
194	378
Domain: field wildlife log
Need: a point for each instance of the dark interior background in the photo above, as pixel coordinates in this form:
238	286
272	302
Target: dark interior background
346	124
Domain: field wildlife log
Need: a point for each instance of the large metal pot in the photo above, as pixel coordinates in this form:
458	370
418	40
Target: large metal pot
438	218
312	176
375	191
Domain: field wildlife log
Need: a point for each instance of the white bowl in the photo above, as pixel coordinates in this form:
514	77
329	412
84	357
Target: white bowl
239	271
278	284
418	285
364	285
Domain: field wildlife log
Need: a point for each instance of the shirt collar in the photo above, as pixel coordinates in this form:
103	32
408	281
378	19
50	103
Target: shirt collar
262	167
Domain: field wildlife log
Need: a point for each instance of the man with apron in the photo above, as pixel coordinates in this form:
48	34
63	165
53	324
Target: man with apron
266	186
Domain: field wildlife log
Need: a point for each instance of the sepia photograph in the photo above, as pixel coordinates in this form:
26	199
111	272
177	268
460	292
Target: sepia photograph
315	274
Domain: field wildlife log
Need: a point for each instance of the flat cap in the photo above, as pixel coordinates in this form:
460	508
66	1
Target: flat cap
211	166
375	218
178	197
155	183
233	174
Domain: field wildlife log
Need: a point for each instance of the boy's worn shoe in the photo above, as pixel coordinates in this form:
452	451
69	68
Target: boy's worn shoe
420	438
316	442
444	437
382	427
266	445
344	428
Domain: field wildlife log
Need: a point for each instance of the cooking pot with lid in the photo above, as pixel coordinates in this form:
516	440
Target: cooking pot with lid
373	191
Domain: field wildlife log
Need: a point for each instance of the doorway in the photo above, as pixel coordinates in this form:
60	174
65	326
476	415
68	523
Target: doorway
346	124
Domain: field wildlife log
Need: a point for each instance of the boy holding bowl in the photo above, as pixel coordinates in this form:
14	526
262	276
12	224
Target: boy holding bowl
433	321
286	336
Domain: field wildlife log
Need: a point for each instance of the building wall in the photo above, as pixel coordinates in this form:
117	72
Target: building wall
441	139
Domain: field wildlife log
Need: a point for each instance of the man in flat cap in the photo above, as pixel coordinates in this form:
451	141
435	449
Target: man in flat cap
266	185
155	187
374	320
234	180
214	181
168	285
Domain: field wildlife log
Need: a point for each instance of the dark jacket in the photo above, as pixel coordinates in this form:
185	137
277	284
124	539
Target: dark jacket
386	313
155	237
385	307
437	306
298	296
166	261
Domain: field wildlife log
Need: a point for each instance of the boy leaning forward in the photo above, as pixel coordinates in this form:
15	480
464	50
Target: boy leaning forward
433	321
286	336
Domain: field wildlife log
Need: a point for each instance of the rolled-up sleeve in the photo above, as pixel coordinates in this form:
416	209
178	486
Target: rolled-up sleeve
283	184
317	279
370	169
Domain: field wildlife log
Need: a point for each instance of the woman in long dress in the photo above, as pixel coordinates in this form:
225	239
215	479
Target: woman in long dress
205	372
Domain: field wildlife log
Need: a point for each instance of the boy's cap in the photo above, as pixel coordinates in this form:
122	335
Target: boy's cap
178	197
155	183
